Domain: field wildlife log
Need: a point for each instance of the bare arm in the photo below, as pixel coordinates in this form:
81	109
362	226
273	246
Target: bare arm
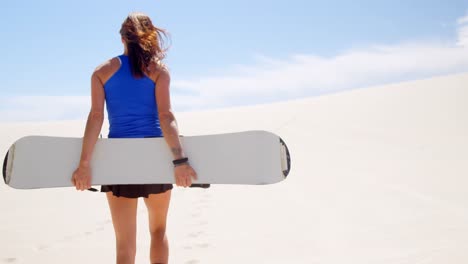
81	177
166	116
183	174
95	120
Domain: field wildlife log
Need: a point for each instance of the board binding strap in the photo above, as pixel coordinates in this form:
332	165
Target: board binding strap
285	158
6	176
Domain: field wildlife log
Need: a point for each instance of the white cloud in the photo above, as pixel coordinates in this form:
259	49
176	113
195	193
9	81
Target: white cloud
308	75
463	31
303	75
43	108
271	79
463	20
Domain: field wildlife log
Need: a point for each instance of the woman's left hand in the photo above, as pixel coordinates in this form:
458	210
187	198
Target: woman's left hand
81	178
184	175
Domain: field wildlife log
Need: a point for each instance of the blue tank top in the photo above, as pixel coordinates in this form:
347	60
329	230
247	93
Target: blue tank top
131	104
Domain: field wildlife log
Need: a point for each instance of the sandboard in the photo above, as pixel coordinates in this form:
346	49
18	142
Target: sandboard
251	158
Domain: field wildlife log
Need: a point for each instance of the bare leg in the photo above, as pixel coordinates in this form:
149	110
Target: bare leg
158	206
123	211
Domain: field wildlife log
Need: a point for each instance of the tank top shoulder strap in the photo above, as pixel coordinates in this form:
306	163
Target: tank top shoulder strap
123	59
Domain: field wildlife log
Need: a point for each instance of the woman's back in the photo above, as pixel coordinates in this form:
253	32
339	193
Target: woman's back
123	84
131	104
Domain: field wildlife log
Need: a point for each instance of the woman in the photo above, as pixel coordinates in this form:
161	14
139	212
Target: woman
135	86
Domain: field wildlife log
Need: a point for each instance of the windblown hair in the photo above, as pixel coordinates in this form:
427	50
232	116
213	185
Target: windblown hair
145	43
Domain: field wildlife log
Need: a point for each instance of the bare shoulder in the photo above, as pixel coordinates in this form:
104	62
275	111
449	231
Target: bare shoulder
106	69
160	72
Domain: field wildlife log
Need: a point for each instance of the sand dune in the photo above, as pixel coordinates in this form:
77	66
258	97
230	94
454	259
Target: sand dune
378	176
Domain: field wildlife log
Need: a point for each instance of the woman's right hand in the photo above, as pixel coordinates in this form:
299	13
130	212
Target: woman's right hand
81	178
184	174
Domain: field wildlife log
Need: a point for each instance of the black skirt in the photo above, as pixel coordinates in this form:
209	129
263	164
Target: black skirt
136	190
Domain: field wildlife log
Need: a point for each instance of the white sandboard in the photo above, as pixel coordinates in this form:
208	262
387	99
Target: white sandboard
252	157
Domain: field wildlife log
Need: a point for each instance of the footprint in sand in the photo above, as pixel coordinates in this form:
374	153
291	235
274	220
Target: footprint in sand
202	223
105	222
72	237
200	207
204	201
198	245
196	234
42	247
202	204
10	260
196	214
202	245
69	237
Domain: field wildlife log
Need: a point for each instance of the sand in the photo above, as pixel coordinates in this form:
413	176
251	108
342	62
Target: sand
379	176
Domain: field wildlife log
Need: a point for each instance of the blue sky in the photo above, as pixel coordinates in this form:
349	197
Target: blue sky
227	53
